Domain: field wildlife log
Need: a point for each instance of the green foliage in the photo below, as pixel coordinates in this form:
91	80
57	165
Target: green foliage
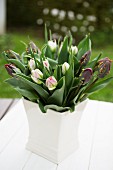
63	56
99	85
57	80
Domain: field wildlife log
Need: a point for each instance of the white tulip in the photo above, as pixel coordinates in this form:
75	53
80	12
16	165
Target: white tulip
74	50
65	67
52	45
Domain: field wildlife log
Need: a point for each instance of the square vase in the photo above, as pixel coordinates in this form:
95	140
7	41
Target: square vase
53	135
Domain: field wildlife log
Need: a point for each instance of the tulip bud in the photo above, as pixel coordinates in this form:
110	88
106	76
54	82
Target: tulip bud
31	64
32	47
74	50
51	83
11	69
52	45
36	75
65	67
86	75
46	64
85	58
104	66
11	54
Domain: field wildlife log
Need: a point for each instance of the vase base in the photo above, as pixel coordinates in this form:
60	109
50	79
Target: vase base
50	153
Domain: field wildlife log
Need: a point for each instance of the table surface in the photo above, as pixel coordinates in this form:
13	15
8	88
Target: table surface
95	150
6	105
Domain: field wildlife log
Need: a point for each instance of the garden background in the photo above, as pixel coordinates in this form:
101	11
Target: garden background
24	21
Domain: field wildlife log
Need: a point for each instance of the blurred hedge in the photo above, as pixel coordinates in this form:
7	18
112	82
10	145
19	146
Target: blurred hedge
76	15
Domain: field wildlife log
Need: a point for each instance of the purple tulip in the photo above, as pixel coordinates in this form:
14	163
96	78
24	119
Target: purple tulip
86	75
85	58
32	47
12	55
104	66
10	69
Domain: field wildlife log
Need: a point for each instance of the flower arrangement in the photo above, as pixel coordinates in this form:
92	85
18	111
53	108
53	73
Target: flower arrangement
59	75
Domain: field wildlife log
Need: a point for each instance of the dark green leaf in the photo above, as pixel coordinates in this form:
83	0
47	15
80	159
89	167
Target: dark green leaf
23	75
23	88
76	65
43	93
76	81
69	79
99	85
28	94
72	94
41	106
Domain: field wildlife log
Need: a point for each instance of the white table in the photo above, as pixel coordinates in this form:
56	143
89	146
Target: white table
95	147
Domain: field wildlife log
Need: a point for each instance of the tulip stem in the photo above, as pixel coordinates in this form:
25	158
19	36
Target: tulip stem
91	85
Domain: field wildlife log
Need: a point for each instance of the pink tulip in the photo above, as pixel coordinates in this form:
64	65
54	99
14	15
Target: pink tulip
36	75
46	64
31	64
51	83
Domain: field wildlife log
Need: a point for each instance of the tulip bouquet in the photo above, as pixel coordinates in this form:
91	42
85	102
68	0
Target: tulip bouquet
59	75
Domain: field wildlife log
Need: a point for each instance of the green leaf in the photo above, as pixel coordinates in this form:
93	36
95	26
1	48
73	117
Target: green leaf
48	52
28	94
35	56
57	108
72	108
69	76
50	34
84	46
17	63
27	71
72	94
86	43
57	96
23	88
46	73
76	65
23	75
58	72
99	85
41	106
63	56
43	93
52	63
70	39
93	63
15	82
46	34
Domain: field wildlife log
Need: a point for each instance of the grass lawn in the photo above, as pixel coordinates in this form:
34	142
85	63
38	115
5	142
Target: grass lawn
6	91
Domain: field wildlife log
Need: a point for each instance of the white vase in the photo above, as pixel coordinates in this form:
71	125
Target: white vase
53	135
